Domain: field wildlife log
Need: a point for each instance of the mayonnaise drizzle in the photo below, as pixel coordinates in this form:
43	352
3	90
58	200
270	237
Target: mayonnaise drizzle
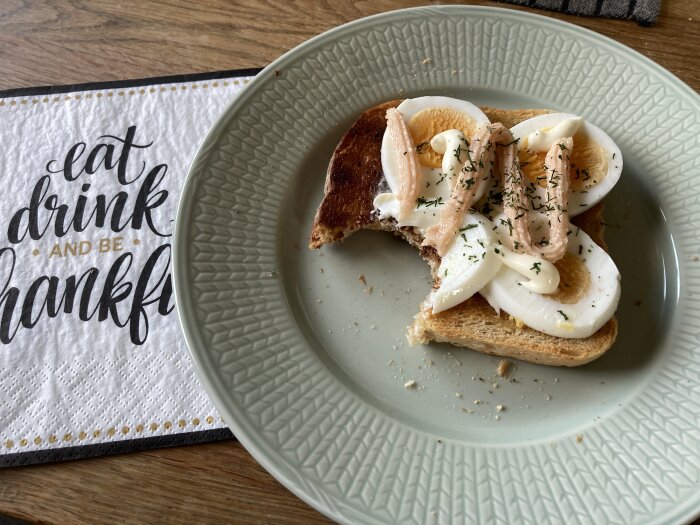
453	146
450	140
543	275
542	140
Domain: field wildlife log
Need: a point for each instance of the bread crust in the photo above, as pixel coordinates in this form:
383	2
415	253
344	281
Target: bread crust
355	177
474	324
352	180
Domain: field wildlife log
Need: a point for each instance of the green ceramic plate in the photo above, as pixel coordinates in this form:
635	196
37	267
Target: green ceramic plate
308	368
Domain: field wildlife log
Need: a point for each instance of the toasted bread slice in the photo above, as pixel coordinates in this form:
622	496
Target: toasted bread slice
353	180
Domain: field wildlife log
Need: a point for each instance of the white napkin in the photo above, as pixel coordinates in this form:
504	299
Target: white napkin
88	354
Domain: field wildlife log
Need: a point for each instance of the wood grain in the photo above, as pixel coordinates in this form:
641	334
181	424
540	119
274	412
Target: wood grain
210	483
67	42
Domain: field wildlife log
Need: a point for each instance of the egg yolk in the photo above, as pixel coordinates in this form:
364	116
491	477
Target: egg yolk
589	163
574	280
428	122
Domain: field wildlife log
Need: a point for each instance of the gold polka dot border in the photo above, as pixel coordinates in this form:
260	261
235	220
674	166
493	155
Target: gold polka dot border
111	432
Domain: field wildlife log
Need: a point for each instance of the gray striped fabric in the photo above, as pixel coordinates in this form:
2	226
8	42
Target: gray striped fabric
642	11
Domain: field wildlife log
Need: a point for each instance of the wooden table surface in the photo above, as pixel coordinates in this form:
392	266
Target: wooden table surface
66	42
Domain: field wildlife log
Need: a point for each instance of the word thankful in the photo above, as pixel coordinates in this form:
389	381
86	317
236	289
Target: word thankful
114	244
92	295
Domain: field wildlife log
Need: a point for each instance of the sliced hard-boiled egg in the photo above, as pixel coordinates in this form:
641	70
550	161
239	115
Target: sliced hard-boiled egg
586	298
596	161
468	265
426	117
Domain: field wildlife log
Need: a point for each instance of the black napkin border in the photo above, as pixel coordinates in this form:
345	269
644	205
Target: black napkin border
51	455
136	82
130	445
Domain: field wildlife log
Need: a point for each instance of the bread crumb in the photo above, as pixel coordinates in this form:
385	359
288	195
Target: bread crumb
362	279
390	362
579	438
467	410
427	61
369	289
454	72
477	401
500	408
458	395
498	417
321	270
410	384
503	368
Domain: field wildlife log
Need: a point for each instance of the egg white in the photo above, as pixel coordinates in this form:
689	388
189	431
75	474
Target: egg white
579	201
541	312
408	108
468	265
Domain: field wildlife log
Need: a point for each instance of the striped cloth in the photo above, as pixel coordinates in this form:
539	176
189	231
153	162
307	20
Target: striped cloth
642	11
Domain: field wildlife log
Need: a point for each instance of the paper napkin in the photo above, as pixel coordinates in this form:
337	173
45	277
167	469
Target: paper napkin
91	352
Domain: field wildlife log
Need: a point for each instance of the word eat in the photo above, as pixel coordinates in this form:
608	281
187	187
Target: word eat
46	210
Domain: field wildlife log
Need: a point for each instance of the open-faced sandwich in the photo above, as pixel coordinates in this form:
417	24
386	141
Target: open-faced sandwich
505	207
